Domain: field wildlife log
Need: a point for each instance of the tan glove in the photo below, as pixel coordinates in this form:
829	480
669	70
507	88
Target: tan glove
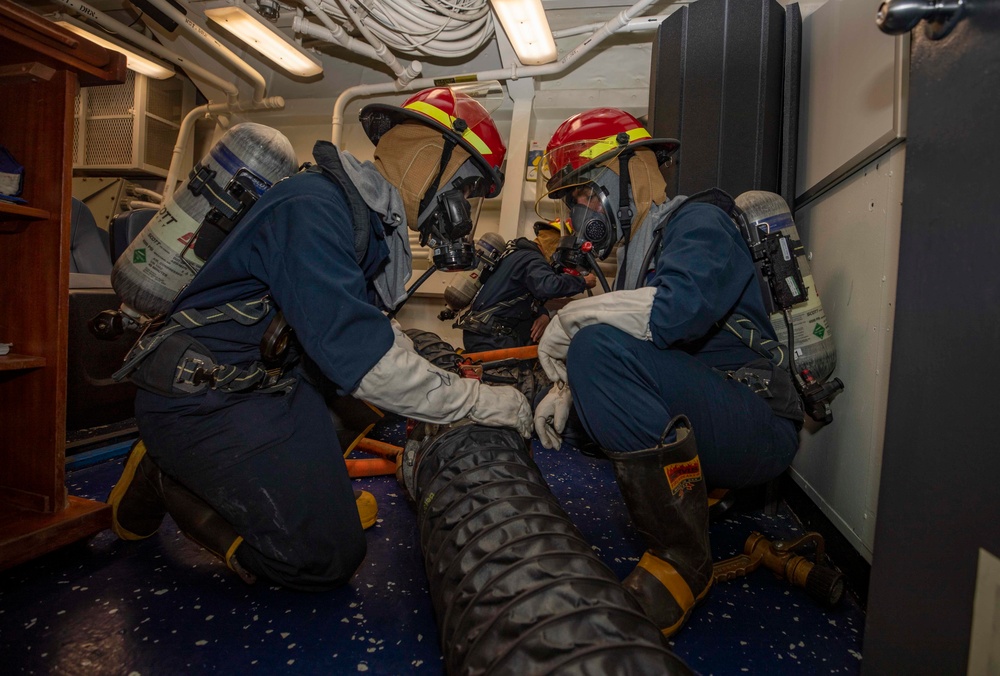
405	383
551	415
625	310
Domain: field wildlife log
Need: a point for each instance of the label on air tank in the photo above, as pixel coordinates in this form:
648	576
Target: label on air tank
162	248
808	321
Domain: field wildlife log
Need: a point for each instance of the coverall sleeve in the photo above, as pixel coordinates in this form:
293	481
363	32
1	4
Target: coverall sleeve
307	258
544	283
700	275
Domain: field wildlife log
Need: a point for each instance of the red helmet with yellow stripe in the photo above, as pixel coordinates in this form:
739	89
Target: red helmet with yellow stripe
456	115
588	140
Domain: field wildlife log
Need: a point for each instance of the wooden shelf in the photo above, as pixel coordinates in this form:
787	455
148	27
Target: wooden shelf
25	534
36	515
9	210
16	362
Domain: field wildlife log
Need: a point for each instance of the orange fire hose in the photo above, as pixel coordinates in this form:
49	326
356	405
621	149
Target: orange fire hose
526	352
380	448
359	467
384	464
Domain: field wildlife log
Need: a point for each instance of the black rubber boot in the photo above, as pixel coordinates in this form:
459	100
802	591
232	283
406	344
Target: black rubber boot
137	507
144	495
665	493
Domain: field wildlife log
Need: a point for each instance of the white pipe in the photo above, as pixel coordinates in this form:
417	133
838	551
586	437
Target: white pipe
644	23
403	75
187	126
309	29
139	204
137	38
145	192
227	54
512	73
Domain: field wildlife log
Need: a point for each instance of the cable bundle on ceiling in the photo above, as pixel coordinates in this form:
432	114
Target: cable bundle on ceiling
436	28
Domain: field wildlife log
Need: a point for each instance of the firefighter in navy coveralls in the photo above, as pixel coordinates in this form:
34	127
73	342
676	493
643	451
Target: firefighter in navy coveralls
257	477
664	354
508	311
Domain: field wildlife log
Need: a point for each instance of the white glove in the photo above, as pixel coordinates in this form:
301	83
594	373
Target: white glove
551	415
502	406
625	310
405	383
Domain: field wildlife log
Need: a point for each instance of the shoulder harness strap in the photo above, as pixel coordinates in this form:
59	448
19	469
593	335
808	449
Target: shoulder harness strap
328	163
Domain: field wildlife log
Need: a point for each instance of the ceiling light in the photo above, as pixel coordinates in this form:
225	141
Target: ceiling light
527	29
140	64
251	28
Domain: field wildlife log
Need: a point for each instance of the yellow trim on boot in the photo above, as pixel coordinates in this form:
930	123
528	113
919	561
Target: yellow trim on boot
231	551
136	455
676	585
367	508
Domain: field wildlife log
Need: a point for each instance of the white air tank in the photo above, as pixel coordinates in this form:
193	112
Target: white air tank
161	261
813	340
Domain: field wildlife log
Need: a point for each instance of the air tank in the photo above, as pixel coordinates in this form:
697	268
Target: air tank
813	339
161	260
465	285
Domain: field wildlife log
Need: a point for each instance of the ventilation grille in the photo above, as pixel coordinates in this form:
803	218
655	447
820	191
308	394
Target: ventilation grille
131	128
116	100
160	140
109	142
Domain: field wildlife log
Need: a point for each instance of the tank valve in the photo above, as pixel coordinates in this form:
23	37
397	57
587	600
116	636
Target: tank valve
107	325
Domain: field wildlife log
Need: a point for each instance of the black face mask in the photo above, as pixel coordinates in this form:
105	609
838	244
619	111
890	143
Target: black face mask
448	224
594	227
594	233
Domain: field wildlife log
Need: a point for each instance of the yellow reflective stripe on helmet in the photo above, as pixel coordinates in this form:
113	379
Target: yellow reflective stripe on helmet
447	120
611	143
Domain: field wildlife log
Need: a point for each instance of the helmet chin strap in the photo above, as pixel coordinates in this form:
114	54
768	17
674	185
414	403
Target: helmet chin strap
624	184
449	147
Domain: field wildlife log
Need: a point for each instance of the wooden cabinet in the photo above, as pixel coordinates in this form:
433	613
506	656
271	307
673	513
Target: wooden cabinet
41	66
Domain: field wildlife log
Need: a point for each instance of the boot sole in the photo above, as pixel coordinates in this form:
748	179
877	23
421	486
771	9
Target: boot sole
676	627
118	492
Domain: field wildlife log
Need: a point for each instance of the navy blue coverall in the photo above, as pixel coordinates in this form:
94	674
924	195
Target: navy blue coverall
524	271
270	464
626	390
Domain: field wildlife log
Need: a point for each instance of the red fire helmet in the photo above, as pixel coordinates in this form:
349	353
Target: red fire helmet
455	114
588	140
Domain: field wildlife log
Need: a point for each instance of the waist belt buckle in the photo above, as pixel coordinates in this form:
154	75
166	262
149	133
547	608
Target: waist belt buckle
191	372
272	376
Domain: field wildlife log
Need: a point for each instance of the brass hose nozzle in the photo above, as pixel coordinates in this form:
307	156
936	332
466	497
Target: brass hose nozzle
822	582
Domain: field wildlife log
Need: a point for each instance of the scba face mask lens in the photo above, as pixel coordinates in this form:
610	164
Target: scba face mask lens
449	221
589	212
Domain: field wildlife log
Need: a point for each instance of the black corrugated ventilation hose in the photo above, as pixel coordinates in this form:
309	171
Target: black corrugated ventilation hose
434	349
516	589
526	375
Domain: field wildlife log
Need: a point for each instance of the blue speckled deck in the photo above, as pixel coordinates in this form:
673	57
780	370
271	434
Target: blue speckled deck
165	606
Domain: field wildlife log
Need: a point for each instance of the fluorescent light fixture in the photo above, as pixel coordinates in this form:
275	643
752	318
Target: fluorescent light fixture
251	28
527	29
141	64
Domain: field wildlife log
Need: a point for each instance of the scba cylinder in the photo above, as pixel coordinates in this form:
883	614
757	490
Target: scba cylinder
813	340
161	260
465	285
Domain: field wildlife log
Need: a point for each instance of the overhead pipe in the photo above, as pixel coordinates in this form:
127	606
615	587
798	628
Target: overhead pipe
135	37
513	73
373	49
256	79
334	34
403	75
644	23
